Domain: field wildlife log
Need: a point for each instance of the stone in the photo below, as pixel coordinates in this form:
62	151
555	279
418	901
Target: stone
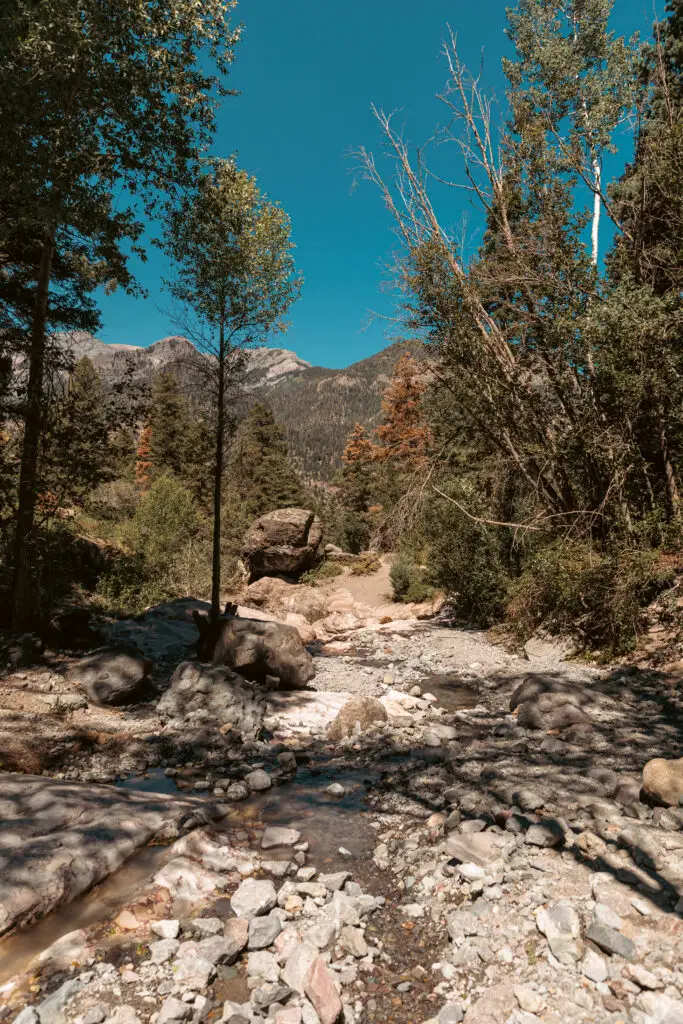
206	926
187	880
237	791
602	914
261	964
335	881
642	977
192	972
353	941
173	1009
50	1011
451	1013
298	964
95	1015
167	929
253	898
480	848
259	650
547	834
320	988
528	1000
527	800
561	927
276	836
548	648
263	931
282	543
123	1015
272	992
611	941
663	781
335	789
112	676
494	1007
220	949
28	1016
223	695
322	934
163	950
69	949
357	716
258	781
593	967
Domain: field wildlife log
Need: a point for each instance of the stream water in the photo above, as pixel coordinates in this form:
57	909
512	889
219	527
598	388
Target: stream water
326	822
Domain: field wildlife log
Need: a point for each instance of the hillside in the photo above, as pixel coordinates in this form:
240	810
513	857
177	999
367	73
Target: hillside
317	407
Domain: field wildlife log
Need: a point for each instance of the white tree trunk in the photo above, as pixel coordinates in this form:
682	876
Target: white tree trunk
597	204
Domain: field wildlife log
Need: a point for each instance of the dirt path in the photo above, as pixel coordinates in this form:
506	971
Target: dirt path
373	590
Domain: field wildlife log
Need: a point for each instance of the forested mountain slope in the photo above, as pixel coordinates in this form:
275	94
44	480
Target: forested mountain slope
316	407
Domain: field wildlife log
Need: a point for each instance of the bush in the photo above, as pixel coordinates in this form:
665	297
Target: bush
409	581
113	500
368	563
355	533
574	587
326	570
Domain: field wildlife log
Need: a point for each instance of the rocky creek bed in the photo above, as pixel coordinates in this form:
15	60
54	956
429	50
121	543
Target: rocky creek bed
483	854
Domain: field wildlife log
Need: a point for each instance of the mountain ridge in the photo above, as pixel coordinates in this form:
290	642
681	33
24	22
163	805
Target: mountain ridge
316	406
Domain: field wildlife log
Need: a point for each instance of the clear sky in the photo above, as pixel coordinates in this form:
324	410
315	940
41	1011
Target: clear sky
308	71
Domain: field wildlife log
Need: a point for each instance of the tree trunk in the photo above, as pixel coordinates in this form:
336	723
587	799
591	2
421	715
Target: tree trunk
218	479
672	493
25	601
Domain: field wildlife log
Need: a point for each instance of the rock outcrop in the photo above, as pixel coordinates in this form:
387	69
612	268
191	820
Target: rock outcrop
282	543
113	675
216	695
280	598
257	649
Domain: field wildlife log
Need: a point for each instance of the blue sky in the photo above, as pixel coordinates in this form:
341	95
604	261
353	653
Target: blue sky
308	71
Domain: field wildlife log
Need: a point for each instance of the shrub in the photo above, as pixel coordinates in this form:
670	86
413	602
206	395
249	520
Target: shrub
355	533
326	570
601	594
113	500
409	581
366	564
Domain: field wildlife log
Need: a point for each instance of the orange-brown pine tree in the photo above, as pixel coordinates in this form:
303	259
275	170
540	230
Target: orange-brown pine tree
357	470
403	434
143	460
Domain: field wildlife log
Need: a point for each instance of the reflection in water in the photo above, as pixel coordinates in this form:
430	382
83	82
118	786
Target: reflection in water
325	822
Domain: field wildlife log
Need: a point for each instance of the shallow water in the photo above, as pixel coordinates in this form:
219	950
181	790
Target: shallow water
450	691
326	823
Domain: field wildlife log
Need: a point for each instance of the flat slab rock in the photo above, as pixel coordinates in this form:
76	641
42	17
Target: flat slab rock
58	838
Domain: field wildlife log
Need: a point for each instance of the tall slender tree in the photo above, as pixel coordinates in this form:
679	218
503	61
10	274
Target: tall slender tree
102	100
260	470
235	278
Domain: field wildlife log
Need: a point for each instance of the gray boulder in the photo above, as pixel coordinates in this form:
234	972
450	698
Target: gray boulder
256	649
357	716
220	694
112	675
284	542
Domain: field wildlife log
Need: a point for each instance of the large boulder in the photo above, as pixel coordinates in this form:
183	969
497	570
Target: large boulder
663	781
282	543
357	716
257	649
216	695
280	598
112	675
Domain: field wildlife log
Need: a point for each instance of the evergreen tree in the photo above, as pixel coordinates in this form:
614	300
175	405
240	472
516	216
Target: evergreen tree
260	469
76	454
357	475
169	424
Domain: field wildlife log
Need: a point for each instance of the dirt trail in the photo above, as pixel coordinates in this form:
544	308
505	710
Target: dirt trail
373	590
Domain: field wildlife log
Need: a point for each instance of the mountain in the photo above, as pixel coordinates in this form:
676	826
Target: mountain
317	407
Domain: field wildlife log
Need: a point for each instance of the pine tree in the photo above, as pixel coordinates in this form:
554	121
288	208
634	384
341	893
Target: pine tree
357	471
143	460
403	433
260	469
169	424
76	454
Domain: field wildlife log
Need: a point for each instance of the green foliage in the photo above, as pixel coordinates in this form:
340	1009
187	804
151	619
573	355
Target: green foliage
259	469
322	573
165	522
366	564
355	533
601	594
410	581
169	425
